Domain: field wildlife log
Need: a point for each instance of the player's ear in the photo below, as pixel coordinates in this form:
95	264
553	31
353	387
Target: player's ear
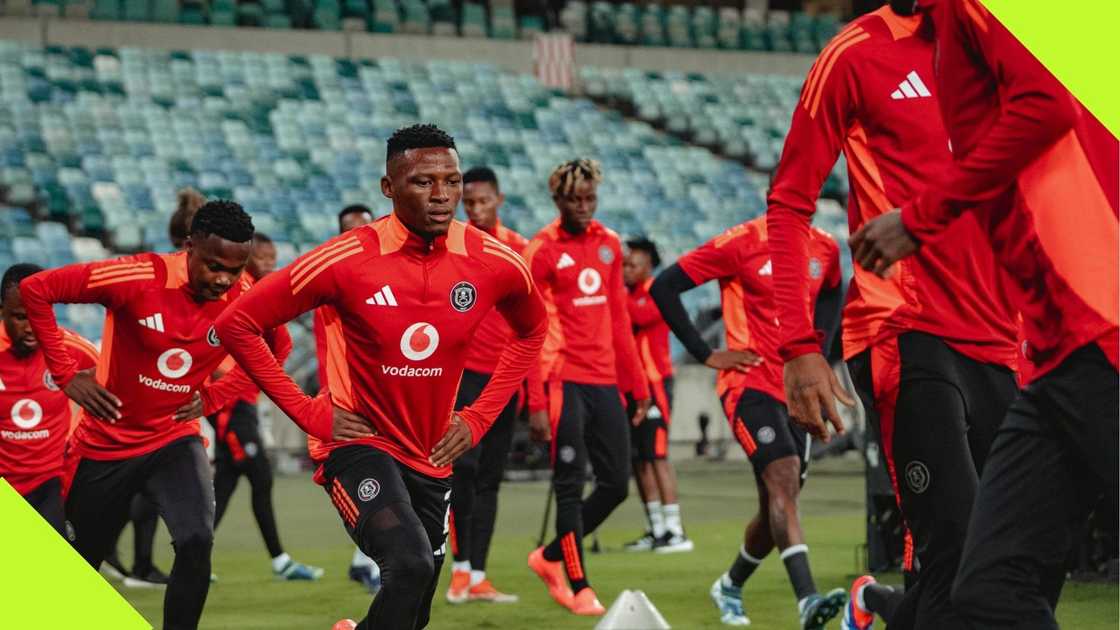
387	186
501	199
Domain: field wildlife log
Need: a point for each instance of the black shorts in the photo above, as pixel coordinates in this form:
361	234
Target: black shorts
46	498
649	441
764	430
237	434
362	480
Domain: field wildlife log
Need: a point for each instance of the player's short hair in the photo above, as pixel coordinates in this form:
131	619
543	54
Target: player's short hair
482	174
356	208
260	238
567	176
15	274
643	244
225	219
179	228
425	136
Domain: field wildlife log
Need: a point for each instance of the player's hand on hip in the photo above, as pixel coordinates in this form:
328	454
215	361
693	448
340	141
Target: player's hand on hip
191	410
741	360
91	396
540	429
641	408
812	390
349	426
455	442
881	242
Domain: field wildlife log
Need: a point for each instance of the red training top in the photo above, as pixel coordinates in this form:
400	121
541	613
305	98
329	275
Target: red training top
396	362
158	347
494	333
651	333
590	340
34	412
1047	173
871	95
740	259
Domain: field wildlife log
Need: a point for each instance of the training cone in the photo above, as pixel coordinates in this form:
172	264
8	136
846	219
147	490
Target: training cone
632	611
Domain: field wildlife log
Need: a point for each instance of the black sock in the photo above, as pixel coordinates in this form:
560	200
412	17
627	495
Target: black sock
742	568
796	559
882	600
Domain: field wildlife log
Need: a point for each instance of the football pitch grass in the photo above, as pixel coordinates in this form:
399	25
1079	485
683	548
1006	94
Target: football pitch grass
716	500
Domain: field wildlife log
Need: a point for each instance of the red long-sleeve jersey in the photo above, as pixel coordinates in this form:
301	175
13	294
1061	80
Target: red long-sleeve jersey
740	259
282	347
590	339
651	333
158	347
399	315
494	332
870	94
34	412
1041	174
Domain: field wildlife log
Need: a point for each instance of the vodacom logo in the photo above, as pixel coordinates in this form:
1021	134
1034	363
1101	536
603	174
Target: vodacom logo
175	363
590	281
419	341
26	413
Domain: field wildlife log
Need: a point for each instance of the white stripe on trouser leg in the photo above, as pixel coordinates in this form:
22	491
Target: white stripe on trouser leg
793	550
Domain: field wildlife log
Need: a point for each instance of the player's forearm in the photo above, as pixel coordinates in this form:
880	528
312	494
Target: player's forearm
666	293
788	233
244	339
39	293
516	363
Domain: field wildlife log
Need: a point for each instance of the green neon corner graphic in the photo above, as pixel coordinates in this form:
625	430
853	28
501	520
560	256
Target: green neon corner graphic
46	584
1076	42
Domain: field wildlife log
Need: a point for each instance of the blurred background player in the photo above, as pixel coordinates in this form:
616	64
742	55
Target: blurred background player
34	413
363	569
649	441
239	450
402	298
142	513
753	398
589	361
931	349
478	473
140	431
1040	174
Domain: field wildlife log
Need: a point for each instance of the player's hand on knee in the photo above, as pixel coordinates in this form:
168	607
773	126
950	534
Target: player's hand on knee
741	360
191	410
641	408
812	390
540	429
455	442
349	426
91	396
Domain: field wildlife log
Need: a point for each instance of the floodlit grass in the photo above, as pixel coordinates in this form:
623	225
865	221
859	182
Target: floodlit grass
716	501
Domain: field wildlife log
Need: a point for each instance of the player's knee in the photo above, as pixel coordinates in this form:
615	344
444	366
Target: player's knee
413	571
196	543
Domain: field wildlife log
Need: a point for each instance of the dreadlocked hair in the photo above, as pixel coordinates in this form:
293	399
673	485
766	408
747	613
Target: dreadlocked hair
224	219
568	175
426	136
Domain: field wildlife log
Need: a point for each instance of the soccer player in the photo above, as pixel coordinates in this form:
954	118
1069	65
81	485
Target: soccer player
1040	174
931	348
478	473
402	298
139	432
239	451
34	413
649	441
753	398
589	361
363	569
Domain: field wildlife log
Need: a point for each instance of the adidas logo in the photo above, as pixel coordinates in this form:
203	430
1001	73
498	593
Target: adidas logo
911	87
565	261
384	297
767	269
155	322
